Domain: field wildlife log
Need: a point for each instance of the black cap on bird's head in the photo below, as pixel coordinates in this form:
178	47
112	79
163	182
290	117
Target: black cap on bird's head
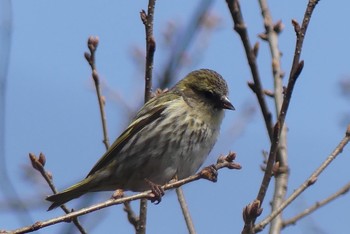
210	85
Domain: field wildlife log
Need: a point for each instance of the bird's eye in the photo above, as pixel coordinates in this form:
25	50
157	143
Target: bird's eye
208	94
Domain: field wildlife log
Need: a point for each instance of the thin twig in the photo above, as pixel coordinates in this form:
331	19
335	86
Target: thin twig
168	75
141	224
90	57
345	189
185	211
241	29
147	20
133	219
281	177
294	74
209	173
308	182
274	133
38	164
251	53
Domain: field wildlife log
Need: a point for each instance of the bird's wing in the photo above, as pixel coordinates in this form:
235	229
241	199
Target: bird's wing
149	113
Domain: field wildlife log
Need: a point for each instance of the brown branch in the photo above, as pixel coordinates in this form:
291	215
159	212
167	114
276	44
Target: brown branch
38	164
147	20
90	57
310	181
209	173
185	211
167	77
141	224
281	177
132	217
294	74
274	133
345	189
251	53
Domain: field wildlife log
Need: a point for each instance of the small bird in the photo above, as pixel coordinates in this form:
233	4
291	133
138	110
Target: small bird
170	137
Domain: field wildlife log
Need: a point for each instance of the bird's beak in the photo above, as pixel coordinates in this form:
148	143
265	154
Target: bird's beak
226	104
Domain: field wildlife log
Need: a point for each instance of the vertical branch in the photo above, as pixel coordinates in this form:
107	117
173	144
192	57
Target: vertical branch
92	45
185	211
147	20
252	211
90	57
294	74
281	173
241	29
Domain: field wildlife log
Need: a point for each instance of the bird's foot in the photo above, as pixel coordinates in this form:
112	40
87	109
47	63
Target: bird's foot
157	192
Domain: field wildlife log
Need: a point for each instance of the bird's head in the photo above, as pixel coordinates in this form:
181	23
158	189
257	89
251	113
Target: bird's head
207	85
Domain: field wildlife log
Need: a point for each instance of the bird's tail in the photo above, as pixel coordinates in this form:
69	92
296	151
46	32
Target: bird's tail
69	194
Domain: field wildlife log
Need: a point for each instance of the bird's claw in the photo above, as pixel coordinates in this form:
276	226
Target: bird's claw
157	192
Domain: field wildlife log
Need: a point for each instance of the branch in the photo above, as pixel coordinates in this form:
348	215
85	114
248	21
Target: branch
147	20
275	133
345	189
310	181
251	53
282	173
209	173
294	74
185	211
38	164
90	57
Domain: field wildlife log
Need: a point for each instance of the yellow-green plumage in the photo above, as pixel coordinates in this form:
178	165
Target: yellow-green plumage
170	136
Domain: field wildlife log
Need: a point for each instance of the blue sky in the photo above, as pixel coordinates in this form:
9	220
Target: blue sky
51	107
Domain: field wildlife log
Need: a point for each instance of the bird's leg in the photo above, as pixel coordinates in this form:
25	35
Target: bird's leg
157	192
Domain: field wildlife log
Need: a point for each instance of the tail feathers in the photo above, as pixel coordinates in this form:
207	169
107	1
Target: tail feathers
70	193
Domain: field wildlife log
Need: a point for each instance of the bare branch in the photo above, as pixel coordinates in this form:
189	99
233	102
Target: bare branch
132	217
90	57
294	74
345	189
251	52
281	177
310	181
274	133
185	211
147	20
38	164
223	162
